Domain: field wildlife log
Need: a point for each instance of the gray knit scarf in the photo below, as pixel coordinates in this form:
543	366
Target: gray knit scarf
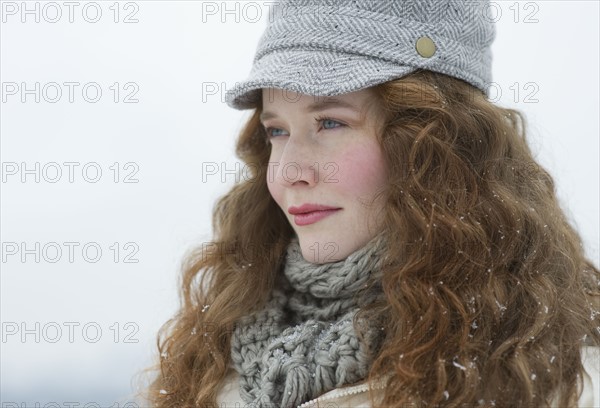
303	343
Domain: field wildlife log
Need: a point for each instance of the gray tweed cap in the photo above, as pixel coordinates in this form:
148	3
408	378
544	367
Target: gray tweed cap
332	47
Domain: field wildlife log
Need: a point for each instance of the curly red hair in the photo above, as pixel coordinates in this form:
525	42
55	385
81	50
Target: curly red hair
488	294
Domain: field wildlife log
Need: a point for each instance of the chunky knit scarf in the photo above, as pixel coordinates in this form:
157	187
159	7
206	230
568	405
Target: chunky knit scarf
303	343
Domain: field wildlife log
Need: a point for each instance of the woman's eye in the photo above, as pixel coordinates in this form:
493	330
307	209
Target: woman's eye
329	123
273	132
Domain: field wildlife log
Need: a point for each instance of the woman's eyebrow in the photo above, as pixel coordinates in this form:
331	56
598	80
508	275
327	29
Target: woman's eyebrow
318	106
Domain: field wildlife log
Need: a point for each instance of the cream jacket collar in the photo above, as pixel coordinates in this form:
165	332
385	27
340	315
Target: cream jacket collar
358	395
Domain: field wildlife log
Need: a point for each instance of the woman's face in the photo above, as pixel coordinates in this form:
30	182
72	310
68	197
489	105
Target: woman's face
324	152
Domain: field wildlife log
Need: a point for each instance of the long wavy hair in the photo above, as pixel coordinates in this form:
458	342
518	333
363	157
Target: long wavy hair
488	295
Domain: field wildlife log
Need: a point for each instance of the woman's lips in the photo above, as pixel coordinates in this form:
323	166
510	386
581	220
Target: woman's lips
312	217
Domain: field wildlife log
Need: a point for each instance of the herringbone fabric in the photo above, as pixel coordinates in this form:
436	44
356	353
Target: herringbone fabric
331	47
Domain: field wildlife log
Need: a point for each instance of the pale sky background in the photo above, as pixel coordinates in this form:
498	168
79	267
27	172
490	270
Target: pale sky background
163	140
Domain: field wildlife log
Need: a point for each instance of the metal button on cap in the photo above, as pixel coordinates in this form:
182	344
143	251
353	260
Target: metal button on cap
425	47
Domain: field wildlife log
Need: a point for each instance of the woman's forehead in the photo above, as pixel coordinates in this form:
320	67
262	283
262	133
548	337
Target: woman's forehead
274	98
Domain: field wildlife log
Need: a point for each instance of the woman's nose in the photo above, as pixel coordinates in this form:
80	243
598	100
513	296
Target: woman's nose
297	163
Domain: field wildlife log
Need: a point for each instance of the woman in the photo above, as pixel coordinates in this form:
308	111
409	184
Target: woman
398	244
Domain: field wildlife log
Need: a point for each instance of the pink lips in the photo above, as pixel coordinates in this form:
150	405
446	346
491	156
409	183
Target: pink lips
310	213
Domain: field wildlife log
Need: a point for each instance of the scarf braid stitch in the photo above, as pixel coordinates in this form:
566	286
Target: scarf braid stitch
303	343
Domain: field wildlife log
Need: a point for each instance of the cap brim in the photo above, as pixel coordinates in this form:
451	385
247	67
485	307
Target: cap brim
313	72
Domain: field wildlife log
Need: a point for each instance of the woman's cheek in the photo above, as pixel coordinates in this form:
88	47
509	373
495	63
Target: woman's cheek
361	169
274	188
